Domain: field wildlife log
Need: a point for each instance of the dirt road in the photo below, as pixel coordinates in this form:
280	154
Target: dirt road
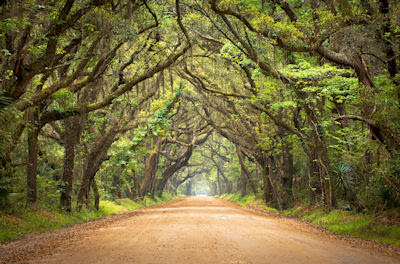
207	230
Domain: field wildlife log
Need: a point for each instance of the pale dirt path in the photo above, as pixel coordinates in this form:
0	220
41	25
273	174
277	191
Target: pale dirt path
208	230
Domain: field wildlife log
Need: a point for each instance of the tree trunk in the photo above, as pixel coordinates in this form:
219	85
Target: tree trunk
246	171
170	170
136	186
95	157
96	195
188	190
313	178
287	178
150	167
83	195
73	129
276	201
267	187
243	183
219	191
31	168
67	176
115	186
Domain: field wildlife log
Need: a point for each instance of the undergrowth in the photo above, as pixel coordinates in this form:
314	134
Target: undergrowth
350	223
247	200
340	222
27	220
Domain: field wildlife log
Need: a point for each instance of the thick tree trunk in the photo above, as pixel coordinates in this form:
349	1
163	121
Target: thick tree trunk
151	165
267	186
73	129
150	168
89	181
276	202
96	156
162	183
83	195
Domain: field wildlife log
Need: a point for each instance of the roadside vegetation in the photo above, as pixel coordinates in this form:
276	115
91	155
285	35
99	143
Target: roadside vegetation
383	227
291	101
28	220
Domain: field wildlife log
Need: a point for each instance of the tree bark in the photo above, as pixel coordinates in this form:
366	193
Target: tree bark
243	182
219	191
246	171
267	186
94	159
67	176
73	129
31	168
287	178
150	168
188	190
115	188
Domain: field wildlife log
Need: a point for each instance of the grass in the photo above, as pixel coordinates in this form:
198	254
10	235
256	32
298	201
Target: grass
247	200
350	223
41	220
340	222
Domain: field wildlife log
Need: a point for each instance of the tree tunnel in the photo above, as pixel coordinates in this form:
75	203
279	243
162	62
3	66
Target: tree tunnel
128	99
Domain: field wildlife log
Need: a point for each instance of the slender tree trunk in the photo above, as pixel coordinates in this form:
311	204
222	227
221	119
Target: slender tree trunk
188	187
96	195
243	182
115	188
219	191
287	178
67	176
5	173
136	185
31	168
313	178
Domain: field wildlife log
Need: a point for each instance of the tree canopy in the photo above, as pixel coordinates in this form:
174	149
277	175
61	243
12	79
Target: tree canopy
290	100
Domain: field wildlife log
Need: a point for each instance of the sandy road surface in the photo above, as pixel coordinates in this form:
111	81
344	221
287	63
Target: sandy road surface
206	230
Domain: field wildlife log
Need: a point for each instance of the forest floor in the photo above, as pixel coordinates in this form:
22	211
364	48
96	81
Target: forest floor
194	230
